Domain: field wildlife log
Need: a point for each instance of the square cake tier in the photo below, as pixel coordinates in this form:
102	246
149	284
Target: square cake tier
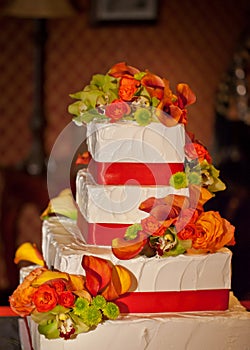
181	283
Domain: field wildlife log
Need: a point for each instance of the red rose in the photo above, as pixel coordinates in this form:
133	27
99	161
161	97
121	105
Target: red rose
197	151
58	284
116	110
45	298
66	299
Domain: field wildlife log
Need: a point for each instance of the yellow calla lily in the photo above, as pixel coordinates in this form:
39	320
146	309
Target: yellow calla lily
29	252
49	275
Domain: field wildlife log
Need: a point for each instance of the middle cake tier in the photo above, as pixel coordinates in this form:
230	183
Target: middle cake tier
105	211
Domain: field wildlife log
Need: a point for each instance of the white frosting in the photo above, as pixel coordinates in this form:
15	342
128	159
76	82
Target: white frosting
116	204
185	331
63	248
129	142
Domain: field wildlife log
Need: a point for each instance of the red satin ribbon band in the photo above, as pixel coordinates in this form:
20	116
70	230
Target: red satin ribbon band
134	173
100	233
173	301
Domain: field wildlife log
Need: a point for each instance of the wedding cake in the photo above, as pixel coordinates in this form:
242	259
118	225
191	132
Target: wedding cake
134	260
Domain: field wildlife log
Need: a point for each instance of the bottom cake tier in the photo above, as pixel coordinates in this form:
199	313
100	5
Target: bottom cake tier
220	330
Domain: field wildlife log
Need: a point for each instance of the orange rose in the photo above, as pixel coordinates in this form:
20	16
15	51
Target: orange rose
150	224
128	87
21	300
188	232
66	299
187	216
162	229
214	232
45	298
116	110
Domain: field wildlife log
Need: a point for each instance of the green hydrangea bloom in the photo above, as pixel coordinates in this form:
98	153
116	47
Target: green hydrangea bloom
143	116
178	180
111	311
81	305
91	316
99	302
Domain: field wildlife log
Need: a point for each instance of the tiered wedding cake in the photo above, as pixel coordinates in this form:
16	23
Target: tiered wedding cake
144	266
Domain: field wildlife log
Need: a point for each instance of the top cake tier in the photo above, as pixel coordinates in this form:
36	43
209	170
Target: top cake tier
128	142
124	152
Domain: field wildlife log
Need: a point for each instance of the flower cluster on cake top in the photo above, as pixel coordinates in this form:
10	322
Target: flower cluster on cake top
126	93
65	305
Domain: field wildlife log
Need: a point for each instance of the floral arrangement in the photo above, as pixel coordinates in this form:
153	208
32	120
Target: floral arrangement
178	224
126	93
64	305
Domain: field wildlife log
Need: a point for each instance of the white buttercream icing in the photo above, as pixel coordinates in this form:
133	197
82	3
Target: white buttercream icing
220	330
129	142
116	204
64	249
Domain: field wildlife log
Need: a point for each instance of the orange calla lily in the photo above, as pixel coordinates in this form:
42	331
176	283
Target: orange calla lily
122	68
77	282
29	252
125	249
98	273
83	158
120	283
149	203
185	95
154	85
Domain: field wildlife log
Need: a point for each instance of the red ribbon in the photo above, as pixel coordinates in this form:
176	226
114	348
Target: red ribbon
133	173
100	233
174	301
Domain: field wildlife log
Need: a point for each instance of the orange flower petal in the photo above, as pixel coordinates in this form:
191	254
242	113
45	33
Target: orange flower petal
185	95
122	68
98	273
127	249
120	283
76	282
48	275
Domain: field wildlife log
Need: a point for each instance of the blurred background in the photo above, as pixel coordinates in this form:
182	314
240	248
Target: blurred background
50	49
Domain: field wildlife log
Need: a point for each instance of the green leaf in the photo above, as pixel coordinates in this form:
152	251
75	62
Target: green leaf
140	75
49	329
80	326
177	250
131	231
155	101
